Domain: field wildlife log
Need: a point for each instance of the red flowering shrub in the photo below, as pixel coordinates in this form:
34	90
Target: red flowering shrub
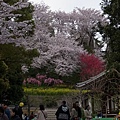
90	66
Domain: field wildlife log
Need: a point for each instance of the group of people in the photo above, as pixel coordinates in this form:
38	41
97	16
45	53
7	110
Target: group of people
10	114
16	113
63	112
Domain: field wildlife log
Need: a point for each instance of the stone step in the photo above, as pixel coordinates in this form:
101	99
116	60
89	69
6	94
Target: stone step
51	114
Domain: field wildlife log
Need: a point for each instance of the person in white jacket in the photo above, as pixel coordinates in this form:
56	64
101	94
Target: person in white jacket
42	113
74	113
87	113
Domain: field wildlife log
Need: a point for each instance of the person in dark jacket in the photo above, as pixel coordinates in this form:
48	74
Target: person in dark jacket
3	116
6	108
78	109
63	112
14	115
20	111
31	116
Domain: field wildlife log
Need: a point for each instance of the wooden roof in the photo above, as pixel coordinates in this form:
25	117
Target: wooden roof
92	79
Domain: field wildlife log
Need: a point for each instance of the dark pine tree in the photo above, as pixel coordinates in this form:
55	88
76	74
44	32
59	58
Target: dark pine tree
15	56
111	35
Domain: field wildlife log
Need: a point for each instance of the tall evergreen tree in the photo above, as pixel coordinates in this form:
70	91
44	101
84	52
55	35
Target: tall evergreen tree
111	35
16	25
4	83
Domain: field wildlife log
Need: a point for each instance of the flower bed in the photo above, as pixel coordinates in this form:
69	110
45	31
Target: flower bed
49	91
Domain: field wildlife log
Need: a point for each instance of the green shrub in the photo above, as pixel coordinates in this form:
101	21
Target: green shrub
49	102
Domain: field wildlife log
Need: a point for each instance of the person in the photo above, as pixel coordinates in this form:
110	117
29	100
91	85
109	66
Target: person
16	108
14	115
19	110
99	114
87	113
63	112
118	116
42	113
78	110
3	116
31	116
6	109
74	112
26	117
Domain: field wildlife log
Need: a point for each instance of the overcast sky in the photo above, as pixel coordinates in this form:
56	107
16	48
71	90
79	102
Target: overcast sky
69	5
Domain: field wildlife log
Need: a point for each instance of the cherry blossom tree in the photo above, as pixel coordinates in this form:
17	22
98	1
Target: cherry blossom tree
82	25
57	52
11	29
56	38
61	55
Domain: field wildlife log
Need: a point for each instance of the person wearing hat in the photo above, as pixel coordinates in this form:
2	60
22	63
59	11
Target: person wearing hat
118	116
20	111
